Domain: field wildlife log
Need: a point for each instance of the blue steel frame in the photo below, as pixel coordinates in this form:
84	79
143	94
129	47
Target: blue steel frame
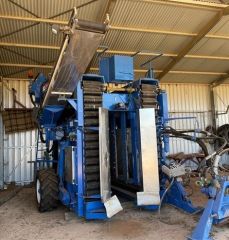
127	114
35	87
216	210
73	194
80	152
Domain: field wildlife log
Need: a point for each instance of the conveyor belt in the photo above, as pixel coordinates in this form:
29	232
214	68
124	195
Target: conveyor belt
92	101
149	95
76	53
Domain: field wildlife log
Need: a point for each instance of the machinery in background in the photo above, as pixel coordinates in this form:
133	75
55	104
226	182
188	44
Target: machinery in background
106	136
213	183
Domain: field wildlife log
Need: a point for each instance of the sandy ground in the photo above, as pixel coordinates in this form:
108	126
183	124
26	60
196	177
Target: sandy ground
20	220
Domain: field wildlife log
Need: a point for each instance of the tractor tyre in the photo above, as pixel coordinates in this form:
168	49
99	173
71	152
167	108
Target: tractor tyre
46	190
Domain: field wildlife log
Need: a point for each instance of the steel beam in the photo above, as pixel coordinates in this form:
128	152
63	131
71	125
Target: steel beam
213	109
15	79
173	72
109	5
146	30
206	28
27	79
25	65
164	32
97	69
21	45
24	45
113	27
221	80
33	19
190	3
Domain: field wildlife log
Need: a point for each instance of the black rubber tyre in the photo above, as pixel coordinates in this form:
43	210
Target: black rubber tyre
222	131
47	190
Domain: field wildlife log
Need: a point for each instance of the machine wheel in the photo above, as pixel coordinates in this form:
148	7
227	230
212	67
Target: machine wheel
46	190
223	131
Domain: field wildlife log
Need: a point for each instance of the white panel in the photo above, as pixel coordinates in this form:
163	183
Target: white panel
104	155
112	204
150	175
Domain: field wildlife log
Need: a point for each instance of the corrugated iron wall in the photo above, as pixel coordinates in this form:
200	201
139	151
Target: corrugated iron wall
185	100
19	148
221	96
191	103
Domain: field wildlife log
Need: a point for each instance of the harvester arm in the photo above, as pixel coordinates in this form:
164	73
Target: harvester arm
81	40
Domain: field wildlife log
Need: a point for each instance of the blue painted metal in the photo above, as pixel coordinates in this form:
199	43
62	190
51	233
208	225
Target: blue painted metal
73	103
177	197
117	68
112	101
50	115
163	110
163	120
80	152
35	87
124	153
202	230
221	206
64	196
135	148
216	210
95	210
123	110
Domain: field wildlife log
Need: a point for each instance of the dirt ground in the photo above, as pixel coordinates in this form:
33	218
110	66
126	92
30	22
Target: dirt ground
20	220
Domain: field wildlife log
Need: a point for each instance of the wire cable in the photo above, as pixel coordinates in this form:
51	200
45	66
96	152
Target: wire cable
163	196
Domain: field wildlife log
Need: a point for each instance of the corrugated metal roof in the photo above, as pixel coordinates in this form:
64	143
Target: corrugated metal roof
159	16
22	72
38	34
200	65
222	27
189	78
171	19
30	56
135	41
49	8
218	47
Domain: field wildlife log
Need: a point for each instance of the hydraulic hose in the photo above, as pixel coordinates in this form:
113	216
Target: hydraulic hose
41	136
180	134
217	160
32	100
163	196
213	159
208	136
